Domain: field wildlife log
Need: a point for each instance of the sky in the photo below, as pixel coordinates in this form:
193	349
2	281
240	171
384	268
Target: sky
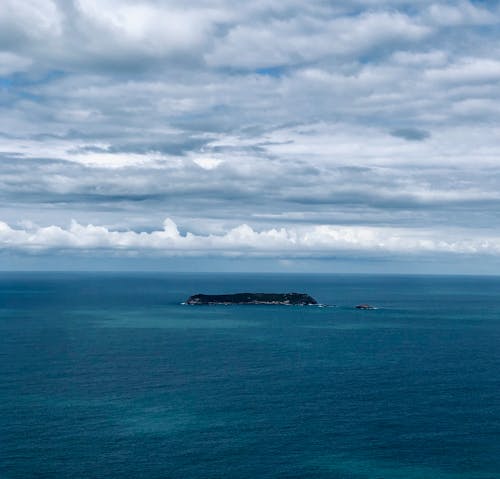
217	135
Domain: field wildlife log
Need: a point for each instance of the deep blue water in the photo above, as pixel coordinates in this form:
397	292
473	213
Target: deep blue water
109	376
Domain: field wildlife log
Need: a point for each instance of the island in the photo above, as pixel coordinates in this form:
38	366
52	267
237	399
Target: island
300	299
365	306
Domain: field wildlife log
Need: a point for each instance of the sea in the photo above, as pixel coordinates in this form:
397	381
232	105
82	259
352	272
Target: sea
109	375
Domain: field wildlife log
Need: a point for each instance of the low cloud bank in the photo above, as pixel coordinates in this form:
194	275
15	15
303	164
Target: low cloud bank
306	241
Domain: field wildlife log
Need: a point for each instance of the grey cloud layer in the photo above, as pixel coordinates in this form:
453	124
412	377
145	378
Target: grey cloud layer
360	115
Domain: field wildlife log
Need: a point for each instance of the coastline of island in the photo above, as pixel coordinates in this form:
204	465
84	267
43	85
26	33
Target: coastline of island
299	299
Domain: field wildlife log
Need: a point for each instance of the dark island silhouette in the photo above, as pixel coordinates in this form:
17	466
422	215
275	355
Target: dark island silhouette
252	298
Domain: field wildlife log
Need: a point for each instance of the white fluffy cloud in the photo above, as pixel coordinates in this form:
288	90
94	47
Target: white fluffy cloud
461	13
299	40
134	28
282	242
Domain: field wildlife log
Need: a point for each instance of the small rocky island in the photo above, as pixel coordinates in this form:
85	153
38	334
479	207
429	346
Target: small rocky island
365	306
301	299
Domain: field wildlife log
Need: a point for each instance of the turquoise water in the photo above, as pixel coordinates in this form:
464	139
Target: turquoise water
109	376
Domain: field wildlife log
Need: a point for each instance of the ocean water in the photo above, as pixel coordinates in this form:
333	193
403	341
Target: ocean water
109	376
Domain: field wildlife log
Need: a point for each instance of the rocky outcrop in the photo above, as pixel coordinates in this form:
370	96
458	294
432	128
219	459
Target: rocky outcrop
252	298
365	306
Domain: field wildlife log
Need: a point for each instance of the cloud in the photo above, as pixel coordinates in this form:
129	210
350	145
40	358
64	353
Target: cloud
323	173
410	134
135	29
23	23
312	241
468	70
304	39
461	13
11	63
208	163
